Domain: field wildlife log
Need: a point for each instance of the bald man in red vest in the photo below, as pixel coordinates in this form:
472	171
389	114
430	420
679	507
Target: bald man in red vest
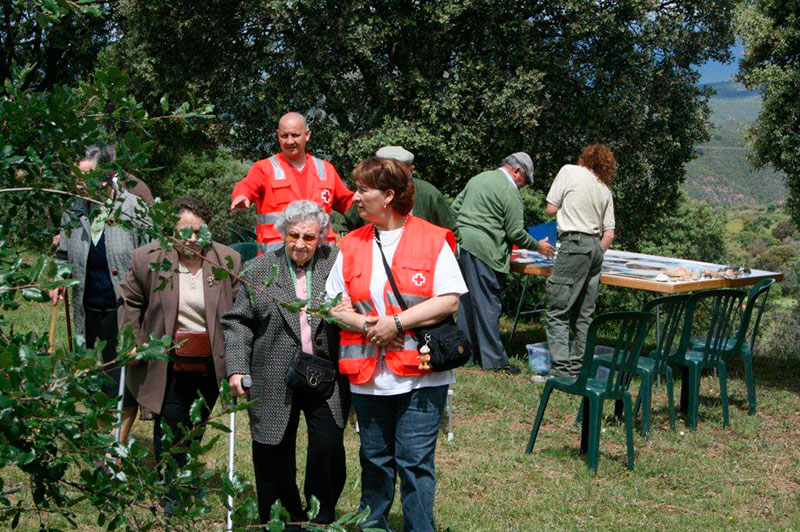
291	175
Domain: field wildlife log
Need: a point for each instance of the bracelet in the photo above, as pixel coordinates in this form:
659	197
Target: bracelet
397	323
364	327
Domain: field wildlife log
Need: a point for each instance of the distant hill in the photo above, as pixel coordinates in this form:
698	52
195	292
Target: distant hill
721	173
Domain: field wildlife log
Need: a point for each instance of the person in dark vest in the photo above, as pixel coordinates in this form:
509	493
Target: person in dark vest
100	250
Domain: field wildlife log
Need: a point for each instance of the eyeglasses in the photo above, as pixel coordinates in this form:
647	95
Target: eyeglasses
307	238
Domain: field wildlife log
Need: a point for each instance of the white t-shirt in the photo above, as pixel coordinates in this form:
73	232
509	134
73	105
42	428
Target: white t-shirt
585	203
447	279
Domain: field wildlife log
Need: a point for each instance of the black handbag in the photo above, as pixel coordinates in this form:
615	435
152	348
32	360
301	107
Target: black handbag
447	344
311	375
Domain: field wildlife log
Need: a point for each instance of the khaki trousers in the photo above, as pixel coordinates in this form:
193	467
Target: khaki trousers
571	296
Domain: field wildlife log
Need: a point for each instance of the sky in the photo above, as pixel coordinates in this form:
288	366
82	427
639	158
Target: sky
715	72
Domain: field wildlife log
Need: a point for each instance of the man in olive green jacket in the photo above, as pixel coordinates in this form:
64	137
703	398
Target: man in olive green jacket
489	217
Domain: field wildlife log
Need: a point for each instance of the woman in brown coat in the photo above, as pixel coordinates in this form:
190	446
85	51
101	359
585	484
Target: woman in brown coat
187	308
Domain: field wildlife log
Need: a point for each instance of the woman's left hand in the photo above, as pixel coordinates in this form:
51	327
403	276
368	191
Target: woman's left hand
382	331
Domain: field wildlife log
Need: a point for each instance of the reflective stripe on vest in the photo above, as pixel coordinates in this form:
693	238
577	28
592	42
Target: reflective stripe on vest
366	308
358	351
278	173
320	168
409	299
268	218
369	350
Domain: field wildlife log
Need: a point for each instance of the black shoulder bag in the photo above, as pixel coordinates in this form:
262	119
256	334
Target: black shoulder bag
447	344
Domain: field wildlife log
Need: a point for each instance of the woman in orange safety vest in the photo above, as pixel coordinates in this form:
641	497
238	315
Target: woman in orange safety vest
399	405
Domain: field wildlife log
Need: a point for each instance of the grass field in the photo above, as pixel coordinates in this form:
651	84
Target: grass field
745	477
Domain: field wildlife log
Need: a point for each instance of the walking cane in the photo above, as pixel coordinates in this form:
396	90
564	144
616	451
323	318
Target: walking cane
121	392
53	320
69	321
246	384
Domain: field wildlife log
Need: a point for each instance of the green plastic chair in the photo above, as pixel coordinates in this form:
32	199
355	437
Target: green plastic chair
632	330
671	309
247	250
725	304
738	345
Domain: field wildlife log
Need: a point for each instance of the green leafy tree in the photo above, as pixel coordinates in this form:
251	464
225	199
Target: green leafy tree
461	84
59	42
59	463
770	30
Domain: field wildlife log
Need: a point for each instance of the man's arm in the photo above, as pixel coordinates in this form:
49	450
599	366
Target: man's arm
249	189
516	234
551	210
607	239
442	214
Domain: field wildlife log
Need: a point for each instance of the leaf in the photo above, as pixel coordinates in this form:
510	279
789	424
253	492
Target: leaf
35	294
220	273
313	511
196	410
272	274
229	261
164	101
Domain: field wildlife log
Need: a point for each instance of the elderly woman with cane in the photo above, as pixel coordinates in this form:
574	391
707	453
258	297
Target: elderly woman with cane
291	358
185	303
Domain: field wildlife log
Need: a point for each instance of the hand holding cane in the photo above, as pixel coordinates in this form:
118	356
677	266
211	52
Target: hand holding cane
247	382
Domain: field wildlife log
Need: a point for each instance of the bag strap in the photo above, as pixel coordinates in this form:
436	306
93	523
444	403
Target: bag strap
389	271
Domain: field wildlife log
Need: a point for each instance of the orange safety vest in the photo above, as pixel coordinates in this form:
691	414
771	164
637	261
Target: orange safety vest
413	267
280	189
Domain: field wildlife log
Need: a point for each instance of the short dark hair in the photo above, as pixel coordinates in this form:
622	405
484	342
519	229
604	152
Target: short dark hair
388	174
194	206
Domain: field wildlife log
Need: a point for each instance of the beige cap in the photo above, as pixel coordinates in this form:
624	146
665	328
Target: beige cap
398	153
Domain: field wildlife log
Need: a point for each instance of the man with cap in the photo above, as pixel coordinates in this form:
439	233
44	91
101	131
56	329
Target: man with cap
291	175
429	203
489	216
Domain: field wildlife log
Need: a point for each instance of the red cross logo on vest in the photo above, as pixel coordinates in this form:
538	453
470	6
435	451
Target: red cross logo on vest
418	279
326	196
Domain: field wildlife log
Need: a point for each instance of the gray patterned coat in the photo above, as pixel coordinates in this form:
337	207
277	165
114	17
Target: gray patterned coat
74	244
261	338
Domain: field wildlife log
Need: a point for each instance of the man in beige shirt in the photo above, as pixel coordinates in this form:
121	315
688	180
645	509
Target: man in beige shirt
581	201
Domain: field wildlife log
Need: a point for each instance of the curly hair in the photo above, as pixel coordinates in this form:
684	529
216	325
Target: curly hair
385	175
303	211
194	206
600	160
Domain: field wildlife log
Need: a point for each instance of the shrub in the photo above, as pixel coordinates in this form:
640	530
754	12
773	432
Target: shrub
781	336
784	229
211	178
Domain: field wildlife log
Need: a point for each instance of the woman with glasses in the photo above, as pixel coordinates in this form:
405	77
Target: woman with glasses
267	341
184	302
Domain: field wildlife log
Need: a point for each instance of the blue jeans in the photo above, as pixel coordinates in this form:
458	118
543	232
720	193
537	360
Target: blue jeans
398	435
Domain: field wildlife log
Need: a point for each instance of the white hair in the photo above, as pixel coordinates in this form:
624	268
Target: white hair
303	211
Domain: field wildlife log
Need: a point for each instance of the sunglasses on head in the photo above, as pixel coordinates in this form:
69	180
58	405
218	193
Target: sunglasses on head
307	238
